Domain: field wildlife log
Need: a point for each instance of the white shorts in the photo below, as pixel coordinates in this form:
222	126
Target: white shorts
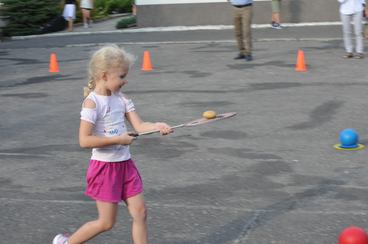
69	11
86	4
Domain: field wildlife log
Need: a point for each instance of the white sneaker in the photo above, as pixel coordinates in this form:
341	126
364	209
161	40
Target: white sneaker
60	239
85	25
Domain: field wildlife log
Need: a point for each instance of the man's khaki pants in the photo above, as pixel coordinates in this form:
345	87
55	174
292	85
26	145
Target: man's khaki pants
242	25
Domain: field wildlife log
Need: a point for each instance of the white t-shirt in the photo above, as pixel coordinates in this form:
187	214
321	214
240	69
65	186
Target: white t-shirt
109	120
351	6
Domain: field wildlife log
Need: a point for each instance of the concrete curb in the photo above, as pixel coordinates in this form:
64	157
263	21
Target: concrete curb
172	28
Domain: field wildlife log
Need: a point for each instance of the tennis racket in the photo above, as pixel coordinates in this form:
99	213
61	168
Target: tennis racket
196	122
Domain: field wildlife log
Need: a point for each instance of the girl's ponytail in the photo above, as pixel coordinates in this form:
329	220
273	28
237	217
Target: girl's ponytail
87	89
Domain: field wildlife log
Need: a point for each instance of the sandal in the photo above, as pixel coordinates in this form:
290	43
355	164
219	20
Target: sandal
359	56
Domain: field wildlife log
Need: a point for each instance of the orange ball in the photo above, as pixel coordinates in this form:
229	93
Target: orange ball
209	114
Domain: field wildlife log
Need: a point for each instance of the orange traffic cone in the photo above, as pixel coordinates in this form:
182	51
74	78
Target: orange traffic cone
54	67
146	65
300	62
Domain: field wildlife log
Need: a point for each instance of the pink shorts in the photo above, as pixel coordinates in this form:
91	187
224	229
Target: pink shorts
113	181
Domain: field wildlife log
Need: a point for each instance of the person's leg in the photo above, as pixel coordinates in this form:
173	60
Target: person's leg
85	17
70	24
346	28
71	16
247	30
88	14
137	210
134	10
238	30
275	11
358	29
276	17
107	213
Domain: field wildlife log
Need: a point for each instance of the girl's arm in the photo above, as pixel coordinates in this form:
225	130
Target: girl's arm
140	126
88	140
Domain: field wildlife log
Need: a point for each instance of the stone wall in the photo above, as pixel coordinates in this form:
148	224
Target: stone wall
220	13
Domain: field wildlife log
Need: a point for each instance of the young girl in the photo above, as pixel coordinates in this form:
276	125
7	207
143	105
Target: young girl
69	13
86	6
111	175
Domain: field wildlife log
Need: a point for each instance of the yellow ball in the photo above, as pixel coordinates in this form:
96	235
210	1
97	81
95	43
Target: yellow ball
209	114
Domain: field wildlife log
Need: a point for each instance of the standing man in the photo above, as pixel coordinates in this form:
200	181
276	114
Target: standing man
242	24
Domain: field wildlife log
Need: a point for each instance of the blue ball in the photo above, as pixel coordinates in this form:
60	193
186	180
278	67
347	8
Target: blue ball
349	138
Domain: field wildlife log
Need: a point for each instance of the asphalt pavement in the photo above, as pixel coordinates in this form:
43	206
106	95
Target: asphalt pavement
268	175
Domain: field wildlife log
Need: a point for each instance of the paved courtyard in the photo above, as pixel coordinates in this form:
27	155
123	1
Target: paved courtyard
268	175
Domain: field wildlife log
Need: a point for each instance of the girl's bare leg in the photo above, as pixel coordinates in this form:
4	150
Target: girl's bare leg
85	14
137	210
107	213
276	17
70	24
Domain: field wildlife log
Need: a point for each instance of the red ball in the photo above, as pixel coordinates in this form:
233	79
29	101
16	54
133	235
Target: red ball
353	235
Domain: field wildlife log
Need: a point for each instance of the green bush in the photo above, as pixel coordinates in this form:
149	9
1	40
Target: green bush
126	22
119	6
26	17
113	6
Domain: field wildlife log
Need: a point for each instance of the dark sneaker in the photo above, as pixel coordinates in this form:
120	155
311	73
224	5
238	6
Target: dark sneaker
240	56
348	55
276	26
359	56
248	57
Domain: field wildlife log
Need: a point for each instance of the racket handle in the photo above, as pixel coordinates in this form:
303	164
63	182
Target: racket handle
156	131
147	133
177	126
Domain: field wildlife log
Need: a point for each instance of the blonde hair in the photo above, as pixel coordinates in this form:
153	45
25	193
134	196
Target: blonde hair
107	57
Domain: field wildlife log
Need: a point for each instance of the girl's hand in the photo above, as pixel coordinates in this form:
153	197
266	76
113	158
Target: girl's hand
163	128
126	139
